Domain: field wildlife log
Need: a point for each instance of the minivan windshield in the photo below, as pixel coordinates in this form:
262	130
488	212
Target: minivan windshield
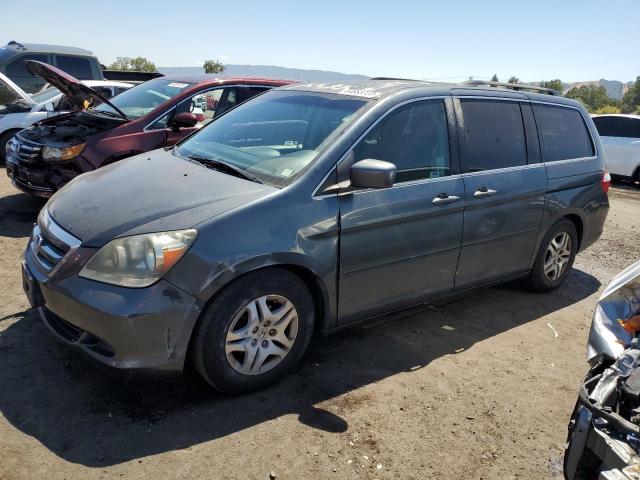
274	136
142	99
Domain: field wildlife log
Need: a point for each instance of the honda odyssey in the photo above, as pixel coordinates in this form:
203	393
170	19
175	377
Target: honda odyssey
314	207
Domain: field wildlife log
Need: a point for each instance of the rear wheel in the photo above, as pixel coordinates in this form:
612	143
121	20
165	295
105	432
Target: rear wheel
254	331
555	257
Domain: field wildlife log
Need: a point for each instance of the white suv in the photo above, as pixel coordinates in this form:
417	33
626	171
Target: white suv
620	136
20	110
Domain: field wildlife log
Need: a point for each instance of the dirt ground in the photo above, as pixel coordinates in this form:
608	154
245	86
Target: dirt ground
480	388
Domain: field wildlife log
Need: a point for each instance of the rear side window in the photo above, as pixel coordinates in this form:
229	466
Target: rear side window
618	127
493	135
563	133
17	68
76	66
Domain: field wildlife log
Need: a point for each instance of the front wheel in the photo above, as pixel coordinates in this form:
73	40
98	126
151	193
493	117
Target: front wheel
555	257
254	331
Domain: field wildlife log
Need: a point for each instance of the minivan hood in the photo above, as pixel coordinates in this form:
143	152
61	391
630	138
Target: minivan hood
10	92
76	92
152	192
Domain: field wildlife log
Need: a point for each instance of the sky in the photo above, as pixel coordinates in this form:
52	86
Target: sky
436	40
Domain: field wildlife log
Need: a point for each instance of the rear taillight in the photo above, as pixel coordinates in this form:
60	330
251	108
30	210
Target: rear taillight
606	181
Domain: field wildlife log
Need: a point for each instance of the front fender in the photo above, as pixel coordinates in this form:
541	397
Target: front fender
296	262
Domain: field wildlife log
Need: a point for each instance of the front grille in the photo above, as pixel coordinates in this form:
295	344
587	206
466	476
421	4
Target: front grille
76	335
50	243
26	151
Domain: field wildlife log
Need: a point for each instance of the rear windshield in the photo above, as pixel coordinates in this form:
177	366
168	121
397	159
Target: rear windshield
137	101
45	95
274	136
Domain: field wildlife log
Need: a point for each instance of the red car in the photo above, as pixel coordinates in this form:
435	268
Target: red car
154	114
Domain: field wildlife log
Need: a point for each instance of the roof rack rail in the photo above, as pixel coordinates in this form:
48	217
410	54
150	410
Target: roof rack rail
512	86
394	78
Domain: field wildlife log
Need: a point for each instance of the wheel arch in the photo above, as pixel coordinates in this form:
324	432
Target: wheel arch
297	264
578	222
307	275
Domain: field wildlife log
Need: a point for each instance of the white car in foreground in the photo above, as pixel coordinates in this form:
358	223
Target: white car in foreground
20	110
620	136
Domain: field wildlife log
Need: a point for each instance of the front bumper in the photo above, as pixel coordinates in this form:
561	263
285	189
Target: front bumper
42	179
595	448
137	331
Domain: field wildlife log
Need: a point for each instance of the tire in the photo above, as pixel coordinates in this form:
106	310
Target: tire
539	281
4	138
243	318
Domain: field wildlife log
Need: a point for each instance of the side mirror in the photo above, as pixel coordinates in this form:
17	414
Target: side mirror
184	120
49	107
371	173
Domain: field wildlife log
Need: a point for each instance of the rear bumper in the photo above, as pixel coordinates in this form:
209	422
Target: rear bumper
139	332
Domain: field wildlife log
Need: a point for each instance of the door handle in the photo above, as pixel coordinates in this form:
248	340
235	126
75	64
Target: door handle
444	199
484	192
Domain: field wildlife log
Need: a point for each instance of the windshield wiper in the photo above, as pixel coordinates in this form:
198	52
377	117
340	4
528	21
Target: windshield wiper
225	167
106	113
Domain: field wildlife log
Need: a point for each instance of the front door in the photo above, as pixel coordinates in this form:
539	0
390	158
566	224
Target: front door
504	191
400	245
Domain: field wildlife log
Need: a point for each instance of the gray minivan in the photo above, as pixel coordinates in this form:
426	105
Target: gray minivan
313	207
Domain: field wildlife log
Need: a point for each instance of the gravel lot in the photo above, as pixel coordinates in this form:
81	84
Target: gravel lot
479	388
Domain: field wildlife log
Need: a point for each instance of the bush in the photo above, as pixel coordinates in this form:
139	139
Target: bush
607	109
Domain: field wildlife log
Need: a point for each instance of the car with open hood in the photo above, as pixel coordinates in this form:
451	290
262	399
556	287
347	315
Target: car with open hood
19	110
604	430
308	208
154	114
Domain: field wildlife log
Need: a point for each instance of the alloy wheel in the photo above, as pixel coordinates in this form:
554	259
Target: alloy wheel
261	334
557	256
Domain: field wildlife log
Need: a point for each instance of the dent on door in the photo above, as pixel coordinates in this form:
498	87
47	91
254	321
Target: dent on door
501	222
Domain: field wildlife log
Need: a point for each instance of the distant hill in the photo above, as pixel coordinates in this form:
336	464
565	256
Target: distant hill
321	76
615	88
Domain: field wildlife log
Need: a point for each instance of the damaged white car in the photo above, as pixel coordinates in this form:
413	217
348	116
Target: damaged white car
604	431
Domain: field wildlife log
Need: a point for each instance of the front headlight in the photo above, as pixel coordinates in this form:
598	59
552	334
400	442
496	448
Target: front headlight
55	154
140	260
11	145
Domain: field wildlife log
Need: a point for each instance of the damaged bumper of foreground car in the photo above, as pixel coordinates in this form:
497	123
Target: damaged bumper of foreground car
604	431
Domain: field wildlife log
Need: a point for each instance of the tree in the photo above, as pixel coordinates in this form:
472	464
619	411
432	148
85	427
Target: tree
213	66
495	78
513	79
592	96
631	99
556	85
138	64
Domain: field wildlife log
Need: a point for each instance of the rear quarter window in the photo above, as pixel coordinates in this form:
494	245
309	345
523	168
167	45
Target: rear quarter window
563	133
